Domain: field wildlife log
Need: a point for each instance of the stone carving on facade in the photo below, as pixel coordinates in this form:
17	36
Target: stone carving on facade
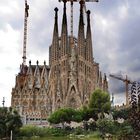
45	80
30	77
45	76
37	78
72	76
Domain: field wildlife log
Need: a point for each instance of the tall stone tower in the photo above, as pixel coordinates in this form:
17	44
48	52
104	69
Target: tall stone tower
73	73
70	78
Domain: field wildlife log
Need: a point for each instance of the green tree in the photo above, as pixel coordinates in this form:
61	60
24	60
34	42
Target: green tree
106	126
113	127
88	113
62	115
122	113
65	115
77	116
100	102
9	120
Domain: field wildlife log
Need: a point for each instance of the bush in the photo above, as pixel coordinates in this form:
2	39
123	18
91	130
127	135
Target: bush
114	128
106	126
30	131
57	132
78	131
123	113
124	129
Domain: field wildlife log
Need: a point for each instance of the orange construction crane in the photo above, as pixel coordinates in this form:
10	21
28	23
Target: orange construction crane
127	82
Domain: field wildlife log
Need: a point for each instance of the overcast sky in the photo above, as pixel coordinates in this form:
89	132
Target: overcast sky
116	38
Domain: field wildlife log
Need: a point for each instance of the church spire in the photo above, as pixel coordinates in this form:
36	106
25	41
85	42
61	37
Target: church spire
100	80
89	52
81	34
105	83
64	32
55	41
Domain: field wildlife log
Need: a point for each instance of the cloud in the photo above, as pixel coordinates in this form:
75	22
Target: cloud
116	41
8	60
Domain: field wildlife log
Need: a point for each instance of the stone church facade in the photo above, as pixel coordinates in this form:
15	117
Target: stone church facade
68	81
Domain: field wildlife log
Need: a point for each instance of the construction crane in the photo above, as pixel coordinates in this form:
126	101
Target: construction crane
127	82
26	14
25	32
71	1
23	67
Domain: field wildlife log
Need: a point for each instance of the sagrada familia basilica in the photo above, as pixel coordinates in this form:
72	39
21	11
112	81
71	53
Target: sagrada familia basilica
68	81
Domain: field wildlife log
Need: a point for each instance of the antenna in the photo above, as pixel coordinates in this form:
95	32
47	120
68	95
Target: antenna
3	101
25	32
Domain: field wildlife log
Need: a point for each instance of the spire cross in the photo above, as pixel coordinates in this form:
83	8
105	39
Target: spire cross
56	13
88	16
56	9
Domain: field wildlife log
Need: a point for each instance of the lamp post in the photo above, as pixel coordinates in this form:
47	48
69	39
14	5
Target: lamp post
11	136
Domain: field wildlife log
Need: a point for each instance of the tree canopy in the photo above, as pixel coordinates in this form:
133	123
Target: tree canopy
65	115
9	120
100	101
122	113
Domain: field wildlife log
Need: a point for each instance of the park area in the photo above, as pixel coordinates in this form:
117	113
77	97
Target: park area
93	122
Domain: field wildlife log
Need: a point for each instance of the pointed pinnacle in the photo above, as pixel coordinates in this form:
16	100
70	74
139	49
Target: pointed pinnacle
56	9
88	16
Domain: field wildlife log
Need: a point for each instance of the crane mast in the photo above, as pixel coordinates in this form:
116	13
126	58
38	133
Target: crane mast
25	32
127	82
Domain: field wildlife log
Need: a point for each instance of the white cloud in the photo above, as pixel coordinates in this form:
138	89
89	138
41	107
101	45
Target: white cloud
9	60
